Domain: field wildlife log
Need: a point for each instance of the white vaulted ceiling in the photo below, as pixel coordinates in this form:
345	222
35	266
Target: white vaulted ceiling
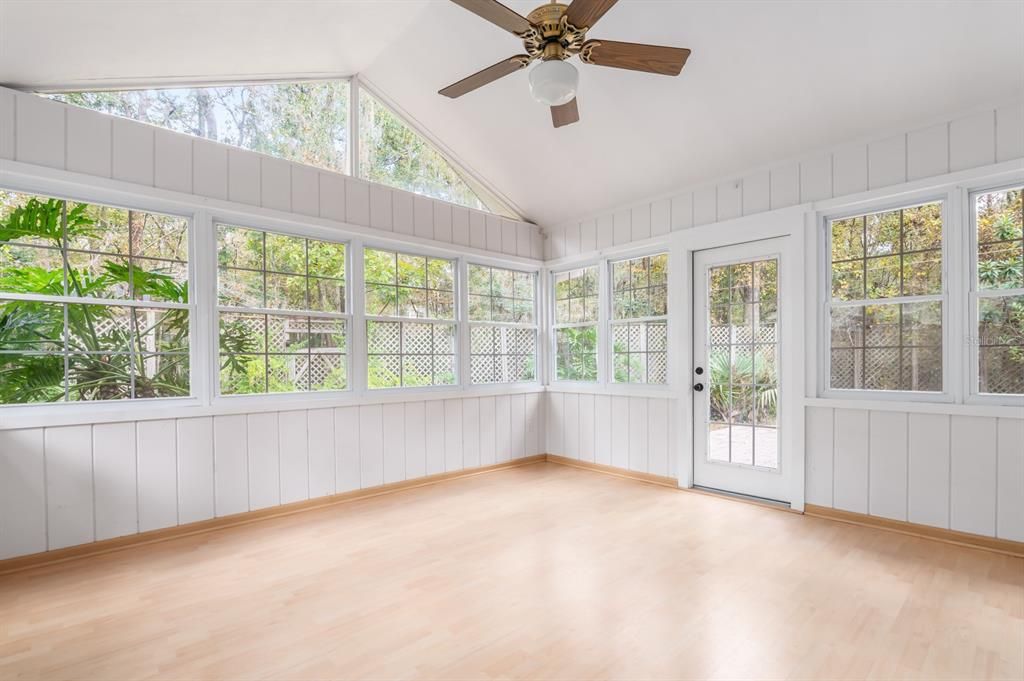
767	80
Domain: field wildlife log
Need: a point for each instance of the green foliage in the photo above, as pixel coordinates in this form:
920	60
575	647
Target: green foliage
576	353
727	371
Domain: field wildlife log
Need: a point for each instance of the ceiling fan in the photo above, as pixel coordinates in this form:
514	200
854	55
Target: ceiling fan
554	33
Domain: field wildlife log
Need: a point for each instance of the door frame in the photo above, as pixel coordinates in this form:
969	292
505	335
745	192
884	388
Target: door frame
791	225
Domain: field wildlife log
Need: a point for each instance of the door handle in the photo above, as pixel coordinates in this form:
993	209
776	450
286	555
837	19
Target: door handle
699	387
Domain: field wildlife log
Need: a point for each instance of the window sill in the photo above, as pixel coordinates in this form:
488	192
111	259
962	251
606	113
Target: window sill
618	389
870	403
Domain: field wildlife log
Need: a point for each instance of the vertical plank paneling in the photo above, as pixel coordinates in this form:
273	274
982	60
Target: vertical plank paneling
264	461
460	225
173	161
517	420
682	212
305	190
850	170
588	236
332	196
7	124
1009	132
415	440
639	435
1010	480
243	176
603	430
815	178
435	437
157	474
605	231
371	446
756	193
534	424
403	215
705	206
477	230
322	474
887	483
730	199
657	426
346	448
928	470
471	432
536	243
293	438
586	410
275	184
69	486
493	233
556	243
488	435
571	236
88	142
195	469
502	429
785	185
133	152
209	170
554	423
620	432
357	201
442	222
928	152
973	456
452	435
572	426
114	480
972	141
381	205
394	442
818	447
230	465
661	217
40	131
851	460
622	221
887	162
641	222
22	490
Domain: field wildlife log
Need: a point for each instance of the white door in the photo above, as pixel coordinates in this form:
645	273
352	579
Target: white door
739	398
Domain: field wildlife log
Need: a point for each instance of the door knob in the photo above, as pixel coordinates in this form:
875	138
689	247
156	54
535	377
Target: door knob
699	387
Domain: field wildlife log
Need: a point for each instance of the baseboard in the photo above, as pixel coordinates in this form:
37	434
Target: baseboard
214	524
1005	546
612	470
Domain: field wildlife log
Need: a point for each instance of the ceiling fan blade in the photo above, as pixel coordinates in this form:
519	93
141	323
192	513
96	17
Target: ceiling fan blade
585	13
488	75
668	61
565	114
496	13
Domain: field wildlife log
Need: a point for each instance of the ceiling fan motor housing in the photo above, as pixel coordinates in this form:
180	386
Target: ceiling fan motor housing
551	36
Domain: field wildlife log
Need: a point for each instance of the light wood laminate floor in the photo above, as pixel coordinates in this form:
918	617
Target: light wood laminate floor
542	571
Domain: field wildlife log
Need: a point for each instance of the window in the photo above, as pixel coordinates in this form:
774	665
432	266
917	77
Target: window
94	302
410	319
576	295
886	304
997	297
392	153
640	320
502	329
305	122
283	313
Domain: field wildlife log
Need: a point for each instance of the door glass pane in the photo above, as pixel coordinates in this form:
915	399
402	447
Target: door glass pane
742	352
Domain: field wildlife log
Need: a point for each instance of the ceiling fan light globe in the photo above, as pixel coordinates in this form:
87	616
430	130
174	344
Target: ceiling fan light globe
554	82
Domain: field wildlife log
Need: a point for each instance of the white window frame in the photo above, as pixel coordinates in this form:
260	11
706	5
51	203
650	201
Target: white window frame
600	323
972	294
466	366
298	233
609	306
72	192
948	394
458	265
